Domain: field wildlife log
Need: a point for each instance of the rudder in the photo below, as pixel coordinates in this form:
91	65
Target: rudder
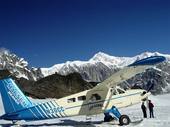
12	97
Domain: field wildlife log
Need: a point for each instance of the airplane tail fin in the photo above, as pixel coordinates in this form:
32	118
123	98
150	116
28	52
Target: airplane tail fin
12	97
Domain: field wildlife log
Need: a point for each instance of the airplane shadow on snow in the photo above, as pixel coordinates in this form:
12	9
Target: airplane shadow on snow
66	122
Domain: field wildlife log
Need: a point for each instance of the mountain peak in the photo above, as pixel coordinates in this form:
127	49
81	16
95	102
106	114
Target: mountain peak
16	65
101	53
100	56
149	54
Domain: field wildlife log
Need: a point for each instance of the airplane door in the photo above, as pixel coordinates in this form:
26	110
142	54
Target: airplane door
96	100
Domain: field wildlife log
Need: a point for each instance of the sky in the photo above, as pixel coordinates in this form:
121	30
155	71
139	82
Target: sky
47	32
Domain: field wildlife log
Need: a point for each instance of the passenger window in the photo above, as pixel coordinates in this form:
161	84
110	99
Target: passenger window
120	91
82	98
71	100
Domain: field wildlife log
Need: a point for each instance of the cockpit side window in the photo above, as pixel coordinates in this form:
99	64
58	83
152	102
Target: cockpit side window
81	98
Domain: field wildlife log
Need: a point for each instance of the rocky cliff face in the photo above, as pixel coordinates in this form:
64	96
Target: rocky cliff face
55	86
160	79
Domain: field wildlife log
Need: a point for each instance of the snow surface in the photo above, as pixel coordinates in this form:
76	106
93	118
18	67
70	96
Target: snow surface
161	110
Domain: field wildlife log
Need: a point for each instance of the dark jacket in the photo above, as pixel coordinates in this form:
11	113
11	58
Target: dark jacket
151	106
143	107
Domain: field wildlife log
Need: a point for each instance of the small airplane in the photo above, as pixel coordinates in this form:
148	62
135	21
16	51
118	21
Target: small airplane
105	98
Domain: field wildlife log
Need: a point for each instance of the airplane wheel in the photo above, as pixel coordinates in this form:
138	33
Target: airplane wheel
124	120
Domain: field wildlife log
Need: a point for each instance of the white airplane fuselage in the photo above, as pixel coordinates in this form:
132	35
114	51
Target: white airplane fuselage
89	102
82	103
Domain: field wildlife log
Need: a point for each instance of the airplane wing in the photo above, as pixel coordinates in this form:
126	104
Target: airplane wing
130	71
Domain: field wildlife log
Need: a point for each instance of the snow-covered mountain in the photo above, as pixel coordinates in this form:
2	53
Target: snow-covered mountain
102	65
16	65
98	68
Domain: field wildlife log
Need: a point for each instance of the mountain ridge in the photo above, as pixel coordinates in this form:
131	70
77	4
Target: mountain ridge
107	62
96	69
102	64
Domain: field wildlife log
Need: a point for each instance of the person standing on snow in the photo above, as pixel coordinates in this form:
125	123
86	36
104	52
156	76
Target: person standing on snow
151	109
143	107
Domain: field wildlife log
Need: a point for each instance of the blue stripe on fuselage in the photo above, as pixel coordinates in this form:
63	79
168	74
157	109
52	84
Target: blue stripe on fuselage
55	107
